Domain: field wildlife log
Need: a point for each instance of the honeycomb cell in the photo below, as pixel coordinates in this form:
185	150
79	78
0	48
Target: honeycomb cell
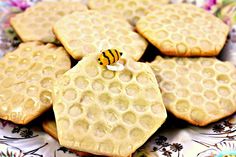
99	129
106	146
12	58
136	134
224	79
21	74
129	118
92	71
222	68
108	74
210	94
119	132
212	108
46	97
29	104
32	90
65	80
142	78
168	74
46	83
93	112
115	87
125	76
132	90
50	59
181	48
146	122
97	85
24	62
182	70
198	115
75	110
111	115
167	46
195	77
182	81
182	106
48	70
223	91
81	82
206	62
197	99
10	70
182	92
8	82
168	98
81	125
168	86
122	104
70	94
196	87
208	72
140	105
88	97
64	122
104	99
161	34
226	105
59	73
208	83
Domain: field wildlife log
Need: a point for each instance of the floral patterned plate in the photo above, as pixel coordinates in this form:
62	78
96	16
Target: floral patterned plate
175	138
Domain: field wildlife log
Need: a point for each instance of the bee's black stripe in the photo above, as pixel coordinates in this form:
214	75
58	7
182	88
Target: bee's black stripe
114	59
117	54
106	57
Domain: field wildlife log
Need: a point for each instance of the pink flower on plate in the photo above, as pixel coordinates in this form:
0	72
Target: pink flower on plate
22	4
209	4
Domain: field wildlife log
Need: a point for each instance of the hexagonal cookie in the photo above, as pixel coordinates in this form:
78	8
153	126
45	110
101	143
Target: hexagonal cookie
26	77
132	10
35	24
87	32
198	90
184	30
107	112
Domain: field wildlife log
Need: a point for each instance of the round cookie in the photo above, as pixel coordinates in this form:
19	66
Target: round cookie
132	10
106	112
198	90
26	77
87	32
35	24
183	30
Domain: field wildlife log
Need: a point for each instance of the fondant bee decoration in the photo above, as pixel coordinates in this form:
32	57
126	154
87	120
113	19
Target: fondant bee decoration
109	56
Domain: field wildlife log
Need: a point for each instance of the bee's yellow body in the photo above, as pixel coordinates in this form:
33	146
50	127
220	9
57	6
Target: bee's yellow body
109	57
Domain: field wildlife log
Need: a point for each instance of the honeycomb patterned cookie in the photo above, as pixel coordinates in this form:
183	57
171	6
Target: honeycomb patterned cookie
184	30
92	31
26	77
35	24
106	112
132	10
198	90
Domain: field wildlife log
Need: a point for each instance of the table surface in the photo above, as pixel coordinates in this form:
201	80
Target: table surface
175	138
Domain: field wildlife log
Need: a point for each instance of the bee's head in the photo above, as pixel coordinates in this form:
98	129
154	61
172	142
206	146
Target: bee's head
99	61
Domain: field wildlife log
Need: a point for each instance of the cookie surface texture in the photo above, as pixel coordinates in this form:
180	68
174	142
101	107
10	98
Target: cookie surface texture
132	10
106	112
35	24
184	30
92	31
198	90
26	77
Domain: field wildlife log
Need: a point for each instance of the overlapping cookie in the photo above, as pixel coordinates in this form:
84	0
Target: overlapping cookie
107	112
198	90
183	30
87	32
35	24
26	77
132	10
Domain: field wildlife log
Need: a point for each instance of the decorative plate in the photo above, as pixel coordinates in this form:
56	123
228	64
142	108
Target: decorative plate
175	138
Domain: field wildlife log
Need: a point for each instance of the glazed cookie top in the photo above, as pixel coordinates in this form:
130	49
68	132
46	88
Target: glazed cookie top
26	77
107	112
183	30
35	24
198	90
87	32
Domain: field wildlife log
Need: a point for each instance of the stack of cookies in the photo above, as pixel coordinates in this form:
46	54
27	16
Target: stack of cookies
113	112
